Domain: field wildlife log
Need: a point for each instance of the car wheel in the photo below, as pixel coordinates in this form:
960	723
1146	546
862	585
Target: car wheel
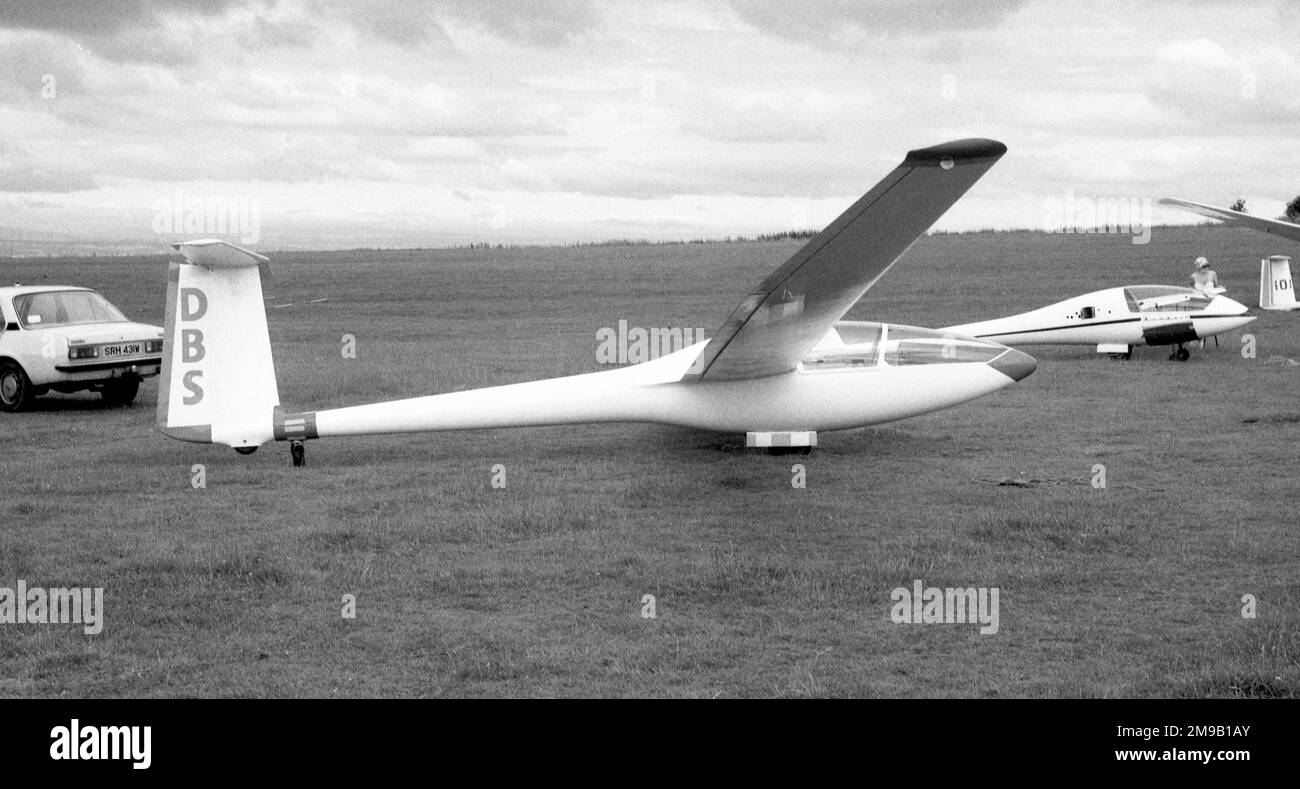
16	390
121	391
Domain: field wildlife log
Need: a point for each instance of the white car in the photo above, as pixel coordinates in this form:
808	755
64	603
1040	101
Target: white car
69	339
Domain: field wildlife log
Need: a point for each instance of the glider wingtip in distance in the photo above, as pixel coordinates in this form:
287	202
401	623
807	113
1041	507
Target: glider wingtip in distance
783	366
1233	218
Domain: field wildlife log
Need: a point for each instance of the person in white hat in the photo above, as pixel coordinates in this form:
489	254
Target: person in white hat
1204	279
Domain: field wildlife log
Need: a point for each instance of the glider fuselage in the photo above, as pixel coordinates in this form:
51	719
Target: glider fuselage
1134	315
860	374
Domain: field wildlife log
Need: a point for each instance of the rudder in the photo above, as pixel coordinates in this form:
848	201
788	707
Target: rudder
1276	288
218	377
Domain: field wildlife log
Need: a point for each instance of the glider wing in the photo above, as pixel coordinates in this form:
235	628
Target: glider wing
781	320
1237	218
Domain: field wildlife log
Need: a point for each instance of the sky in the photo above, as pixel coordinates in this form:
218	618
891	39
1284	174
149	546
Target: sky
323	124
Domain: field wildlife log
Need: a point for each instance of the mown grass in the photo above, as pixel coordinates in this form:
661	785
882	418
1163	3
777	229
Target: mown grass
761	589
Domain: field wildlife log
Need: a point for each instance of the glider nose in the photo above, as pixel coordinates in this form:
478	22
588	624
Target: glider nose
1238	313
1222	305
1016	365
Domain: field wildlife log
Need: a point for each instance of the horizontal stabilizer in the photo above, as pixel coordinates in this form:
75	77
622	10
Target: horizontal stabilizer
215	253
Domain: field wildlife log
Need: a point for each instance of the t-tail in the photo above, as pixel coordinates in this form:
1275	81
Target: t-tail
218	379
1276	288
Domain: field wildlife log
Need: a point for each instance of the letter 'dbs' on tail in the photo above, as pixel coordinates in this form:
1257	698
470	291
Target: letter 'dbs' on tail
218	379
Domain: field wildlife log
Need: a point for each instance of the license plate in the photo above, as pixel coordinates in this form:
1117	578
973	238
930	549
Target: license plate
129	349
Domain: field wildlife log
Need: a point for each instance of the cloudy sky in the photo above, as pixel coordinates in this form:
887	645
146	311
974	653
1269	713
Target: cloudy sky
335	123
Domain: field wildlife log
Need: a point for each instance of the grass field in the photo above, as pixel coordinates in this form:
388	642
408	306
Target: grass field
762	589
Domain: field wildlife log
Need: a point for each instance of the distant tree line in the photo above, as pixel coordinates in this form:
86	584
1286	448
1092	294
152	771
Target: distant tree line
785	235
788	235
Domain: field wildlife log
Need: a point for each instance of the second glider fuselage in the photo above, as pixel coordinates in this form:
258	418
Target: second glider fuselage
1135	315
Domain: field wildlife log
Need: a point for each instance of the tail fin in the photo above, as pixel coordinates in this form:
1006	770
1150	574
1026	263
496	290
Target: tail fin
218	378
1276	288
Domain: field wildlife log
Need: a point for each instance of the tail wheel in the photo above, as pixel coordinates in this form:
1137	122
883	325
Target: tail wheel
16	390
120	391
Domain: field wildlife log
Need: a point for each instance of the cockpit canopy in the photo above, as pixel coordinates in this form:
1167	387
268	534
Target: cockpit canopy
873	344
1165	298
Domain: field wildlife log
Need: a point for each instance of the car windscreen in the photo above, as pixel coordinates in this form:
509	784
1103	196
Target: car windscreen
65	307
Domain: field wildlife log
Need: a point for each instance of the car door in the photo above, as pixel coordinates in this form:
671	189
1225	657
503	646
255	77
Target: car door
26	347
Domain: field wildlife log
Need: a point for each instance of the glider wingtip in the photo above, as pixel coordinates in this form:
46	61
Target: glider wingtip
1179	202
973	149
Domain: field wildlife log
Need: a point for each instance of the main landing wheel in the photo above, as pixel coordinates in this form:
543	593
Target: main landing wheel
298	453
1181	355
120	391
789	450
245	450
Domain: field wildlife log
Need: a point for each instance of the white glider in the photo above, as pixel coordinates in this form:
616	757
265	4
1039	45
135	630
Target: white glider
782	367
1276	287
1117	319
